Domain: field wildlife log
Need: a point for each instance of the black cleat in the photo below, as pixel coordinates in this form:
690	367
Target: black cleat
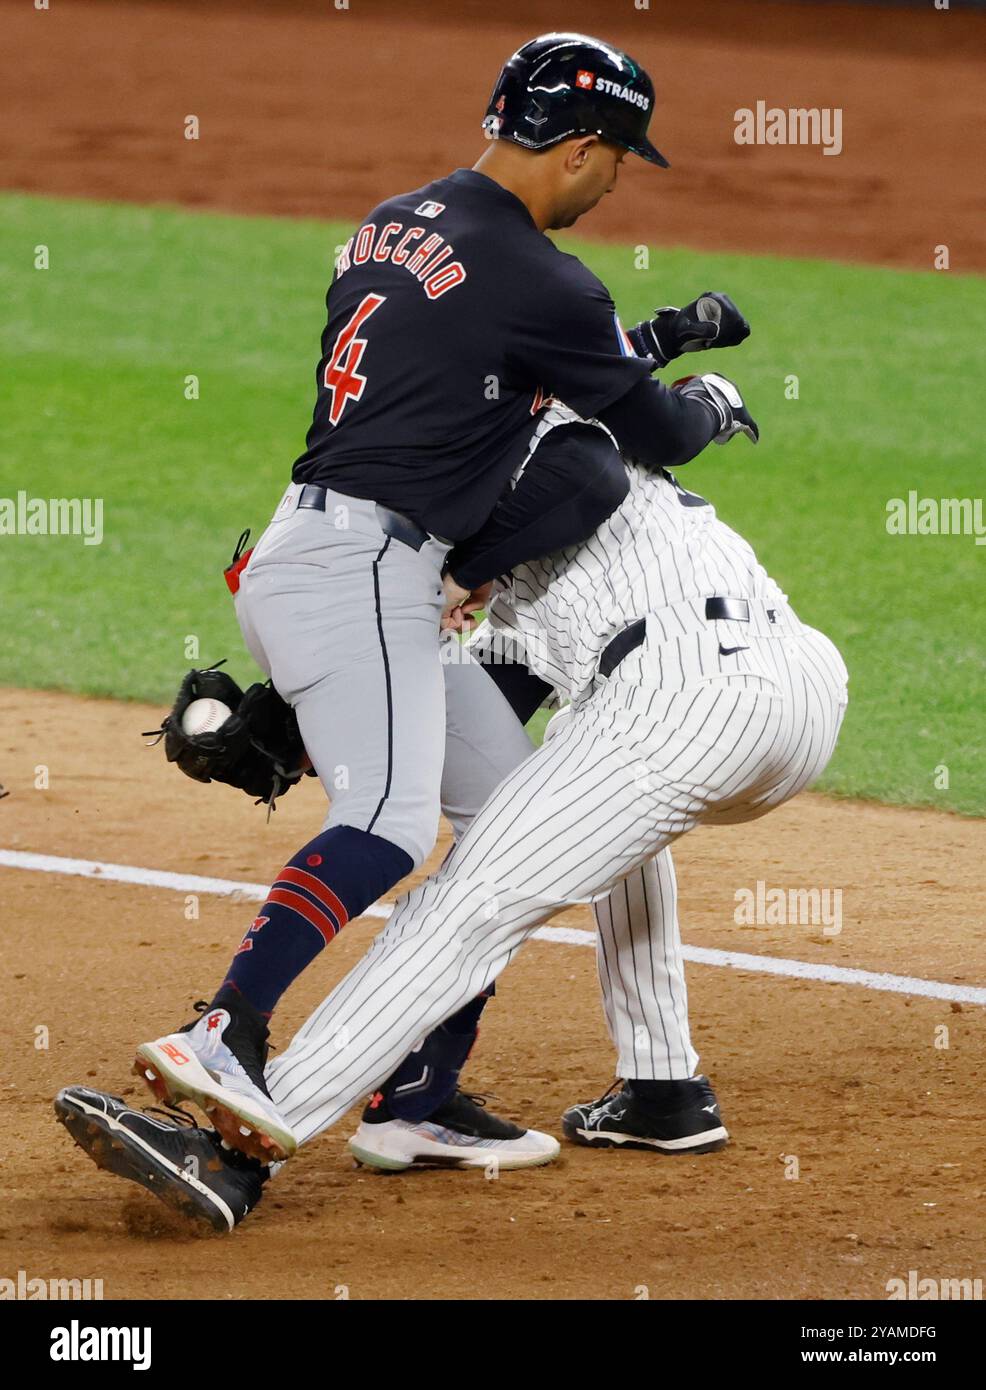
672	1116
187	1167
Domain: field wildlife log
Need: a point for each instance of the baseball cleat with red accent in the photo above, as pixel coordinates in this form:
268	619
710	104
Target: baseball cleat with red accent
217	1062
462	1133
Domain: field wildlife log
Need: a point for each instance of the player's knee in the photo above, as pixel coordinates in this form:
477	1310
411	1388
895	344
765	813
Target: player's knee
449	908
417	833
409	820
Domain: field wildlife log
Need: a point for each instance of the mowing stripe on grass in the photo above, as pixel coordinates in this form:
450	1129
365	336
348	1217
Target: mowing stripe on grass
563	936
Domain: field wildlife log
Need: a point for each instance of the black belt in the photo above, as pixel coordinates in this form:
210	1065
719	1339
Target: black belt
392	523
735	610
622	645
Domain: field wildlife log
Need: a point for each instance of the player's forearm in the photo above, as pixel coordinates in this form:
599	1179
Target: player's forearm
658	427
574	480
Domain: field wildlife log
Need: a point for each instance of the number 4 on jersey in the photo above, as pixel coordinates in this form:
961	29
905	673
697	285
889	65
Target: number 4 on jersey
342	376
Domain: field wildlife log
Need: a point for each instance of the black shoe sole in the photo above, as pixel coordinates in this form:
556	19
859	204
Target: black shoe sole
572	1132
117	1151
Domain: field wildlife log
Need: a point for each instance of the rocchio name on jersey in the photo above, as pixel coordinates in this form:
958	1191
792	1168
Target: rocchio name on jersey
429	262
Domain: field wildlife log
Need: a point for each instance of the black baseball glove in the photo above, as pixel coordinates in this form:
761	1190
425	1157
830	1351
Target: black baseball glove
711	321
257	749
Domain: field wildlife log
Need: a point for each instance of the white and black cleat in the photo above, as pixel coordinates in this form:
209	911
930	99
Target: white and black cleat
462	1133
668	1116
188	1168
217	1063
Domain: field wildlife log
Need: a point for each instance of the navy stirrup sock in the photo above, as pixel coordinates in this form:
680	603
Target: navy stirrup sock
428	1077
334	877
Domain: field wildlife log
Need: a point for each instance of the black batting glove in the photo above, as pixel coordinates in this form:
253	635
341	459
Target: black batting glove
711	321
720	395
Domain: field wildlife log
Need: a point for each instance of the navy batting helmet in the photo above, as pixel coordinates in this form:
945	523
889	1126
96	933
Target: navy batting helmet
562	85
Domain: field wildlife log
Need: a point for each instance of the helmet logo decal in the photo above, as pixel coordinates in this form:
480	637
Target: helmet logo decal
584	79
625	93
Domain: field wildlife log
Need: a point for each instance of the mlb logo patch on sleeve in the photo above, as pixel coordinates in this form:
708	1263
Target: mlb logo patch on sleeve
429	209
627	348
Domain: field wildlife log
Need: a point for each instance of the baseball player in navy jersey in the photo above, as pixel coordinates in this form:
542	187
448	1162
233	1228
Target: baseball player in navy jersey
451	319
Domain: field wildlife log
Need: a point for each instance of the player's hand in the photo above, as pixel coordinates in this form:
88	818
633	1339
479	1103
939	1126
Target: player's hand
710	321
462	605
726	402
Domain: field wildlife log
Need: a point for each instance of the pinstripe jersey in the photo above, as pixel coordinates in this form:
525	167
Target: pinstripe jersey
659	555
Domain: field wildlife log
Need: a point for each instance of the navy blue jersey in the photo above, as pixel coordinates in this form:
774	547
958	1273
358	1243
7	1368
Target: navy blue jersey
450	319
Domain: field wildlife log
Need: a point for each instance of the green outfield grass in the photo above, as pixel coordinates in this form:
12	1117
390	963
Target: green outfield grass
94	353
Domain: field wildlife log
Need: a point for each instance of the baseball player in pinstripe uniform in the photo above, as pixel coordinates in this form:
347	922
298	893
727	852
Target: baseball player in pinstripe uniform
697	697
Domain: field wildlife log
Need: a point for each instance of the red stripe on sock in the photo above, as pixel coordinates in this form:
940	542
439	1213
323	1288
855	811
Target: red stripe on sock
312	913
316	887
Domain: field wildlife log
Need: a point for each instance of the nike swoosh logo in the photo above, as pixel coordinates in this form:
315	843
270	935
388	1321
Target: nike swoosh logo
731	651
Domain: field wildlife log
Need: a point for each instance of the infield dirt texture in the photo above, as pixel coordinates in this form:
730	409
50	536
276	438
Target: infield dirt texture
859	1134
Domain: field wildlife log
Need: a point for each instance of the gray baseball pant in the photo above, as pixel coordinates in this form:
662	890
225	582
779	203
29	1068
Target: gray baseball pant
345	620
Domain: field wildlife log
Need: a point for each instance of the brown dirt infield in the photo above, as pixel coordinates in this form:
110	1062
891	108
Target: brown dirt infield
306	110
888	1129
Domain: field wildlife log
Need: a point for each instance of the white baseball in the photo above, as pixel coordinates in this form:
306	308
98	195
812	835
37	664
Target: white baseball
204	716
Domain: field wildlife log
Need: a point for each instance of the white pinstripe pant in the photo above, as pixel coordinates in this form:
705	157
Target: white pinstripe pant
638	945
642	974
637	766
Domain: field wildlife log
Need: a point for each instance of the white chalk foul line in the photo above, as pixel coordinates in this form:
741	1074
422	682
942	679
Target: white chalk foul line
565	936
146	878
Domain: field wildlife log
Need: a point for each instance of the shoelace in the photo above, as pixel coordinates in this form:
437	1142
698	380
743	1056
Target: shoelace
615	1086
479	1098
174	1113
228	1154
